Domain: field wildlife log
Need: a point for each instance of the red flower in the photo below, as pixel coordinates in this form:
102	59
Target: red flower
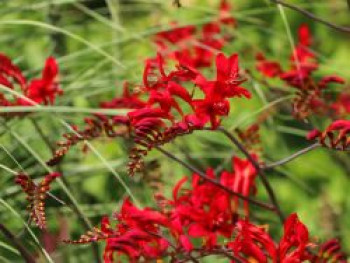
203	50
44	90
126	101
228	77
9	72
154	76
323	83
166	98
138	115
295	236
268	68
137	234
335	136
211	109
145	219
174	36
302	53
253	242
330	251
225	86
242	180
224	14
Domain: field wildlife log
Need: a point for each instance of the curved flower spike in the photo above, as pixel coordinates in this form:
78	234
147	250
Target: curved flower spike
335	136
36	195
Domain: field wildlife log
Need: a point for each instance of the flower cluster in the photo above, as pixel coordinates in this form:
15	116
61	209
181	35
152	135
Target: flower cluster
197	49
202	211
204	220
38	91
174	102
310	97
160	117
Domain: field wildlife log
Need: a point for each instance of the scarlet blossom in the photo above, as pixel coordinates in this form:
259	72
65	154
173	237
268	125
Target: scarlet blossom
145	219
253	242
152	120
302	54
128	100
216	92
203	51
324	82
211	214
224	13
174	35
203	211
242	180
268	68
137	234
42	91
139	115
294	243
46	89
330	251
166	98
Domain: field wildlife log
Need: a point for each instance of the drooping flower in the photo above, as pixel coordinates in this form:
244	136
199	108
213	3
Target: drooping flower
253	242
330	251
335	136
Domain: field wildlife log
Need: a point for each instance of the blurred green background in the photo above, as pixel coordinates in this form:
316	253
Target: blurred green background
98	45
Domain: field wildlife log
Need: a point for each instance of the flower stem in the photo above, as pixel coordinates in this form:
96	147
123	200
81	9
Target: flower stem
28	258
312	16
292	157
215	182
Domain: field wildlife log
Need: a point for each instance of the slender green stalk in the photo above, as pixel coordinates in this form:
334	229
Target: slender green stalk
26	255
88	144
36	240
61	109
65	32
